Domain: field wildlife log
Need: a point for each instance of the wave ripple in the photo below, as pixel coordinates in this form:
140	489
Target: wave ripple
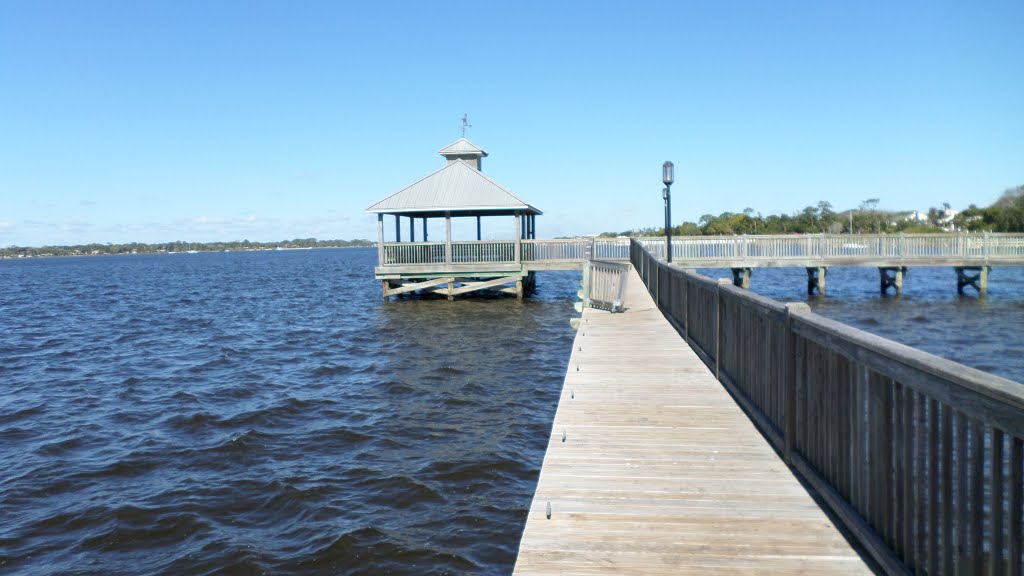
230	414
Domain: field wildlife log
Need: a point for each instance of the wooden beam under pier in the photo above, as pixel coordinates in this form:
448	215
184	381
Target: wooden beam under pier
403	288
474	286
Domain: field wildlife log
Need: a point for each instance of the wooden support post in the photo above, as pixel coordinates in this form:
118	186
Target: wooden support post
447	238
425	229
891	276
380	239
741	277
412	228
387	290
519	289
816	280
478	228
398	228
451	289
979	280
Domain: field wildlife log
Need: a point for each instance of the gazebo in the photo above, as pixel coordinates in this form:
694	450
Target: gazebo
458	190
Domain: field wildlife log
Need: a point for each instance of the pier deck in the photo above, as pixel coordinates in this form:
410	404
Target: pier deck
652	468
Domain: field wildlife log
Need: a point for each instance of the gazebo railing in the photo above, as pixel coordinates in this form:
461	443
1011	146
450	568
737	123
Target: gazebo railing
398	253
483	251
503	251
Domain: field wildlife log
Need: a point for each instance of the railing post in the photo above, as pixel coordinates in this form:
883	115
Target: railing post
686	305
984	246
718	327
657	284
790	379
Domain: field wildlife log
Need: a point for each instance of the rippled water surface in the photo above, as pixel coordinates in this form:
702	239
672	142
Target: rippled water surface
265	412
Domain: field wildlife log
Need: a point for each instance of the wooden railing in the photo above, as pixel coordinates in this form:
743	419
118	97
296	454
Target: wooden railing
486	251
837	248
724	251
501	251
920	457
555	250
604	284
412	253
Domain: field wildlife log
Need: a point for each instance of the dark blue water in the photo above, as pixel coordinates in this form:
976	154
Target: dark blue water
265	412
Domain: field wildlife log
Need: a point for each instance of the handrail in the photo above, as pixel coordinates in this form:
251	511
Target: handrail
837	249
920	457
733	251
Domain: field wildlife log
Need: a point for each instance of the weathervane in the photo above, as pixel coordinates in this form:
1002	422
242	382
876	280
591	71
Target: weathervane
465	124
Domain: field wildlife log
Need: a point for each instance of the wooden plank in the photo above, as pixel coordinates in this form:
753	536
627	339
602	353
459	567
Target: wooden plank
660	472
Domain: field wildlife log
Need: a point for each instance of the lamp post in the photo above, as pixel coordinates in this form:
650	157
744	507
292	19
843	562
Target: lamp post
667	176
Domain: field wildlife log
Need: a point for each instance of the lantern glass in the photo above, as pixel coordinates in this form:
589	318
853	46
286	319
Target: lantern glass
667	173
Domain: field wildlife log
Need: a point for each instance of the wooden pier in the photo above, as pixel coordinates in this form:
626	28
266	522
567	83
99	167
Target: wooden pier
455	268
652	468
664	456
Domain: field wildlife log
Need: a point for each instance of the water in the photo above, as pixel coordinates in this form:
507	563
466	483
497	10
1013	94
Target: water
265	412
261	412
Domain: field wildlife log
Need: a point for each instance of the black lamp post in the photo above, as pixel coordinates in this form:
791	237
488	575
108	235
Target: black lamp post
667	176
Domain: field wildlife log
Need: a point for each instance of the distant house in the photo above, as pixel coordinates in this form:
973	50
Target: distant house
942	218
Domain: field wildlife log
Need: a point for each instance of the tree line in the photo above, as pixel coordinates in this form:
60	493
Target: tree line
174	247
1004	215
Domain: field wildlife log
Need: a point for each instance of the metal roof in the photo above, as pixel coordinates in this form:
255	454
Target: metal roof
458	187
461	147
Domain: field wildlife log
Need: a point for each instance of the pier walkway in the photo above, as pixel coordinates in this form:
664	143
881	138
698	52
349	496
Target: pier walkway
652	468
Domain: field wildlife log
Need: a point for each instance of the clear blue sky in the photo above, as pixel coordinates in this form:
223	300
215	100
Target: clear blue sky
157	121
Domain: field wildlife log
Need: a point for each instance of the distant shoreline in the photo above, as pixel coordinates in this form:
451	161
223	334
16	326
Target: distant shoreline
22	252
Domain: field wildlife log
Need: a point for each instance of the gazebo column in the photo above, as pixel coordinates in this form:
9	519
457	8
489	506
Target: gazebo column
478	228
425	229
447	238
412	228
519	237
398	228
380	239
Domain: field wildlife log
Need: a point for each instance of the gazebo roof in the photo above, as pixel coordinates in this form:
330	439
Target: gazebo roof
458	189
462	147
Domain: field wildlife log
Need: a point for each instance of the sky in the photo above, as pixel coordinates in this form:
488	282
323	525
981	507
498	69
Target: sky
229	120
